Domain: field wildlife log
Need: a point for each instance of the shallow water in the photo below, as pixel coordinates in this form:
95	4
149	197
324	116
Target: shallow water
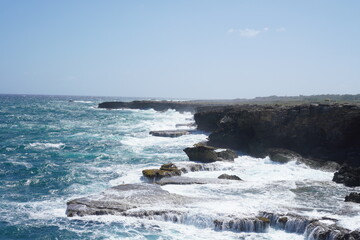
53	150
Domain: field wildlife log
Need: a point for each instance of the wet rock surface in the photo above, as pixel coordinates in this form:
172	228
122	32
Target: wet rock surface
349	176
166	170
170	133
177	180
208	154
229	177
320	231
353	197
120	199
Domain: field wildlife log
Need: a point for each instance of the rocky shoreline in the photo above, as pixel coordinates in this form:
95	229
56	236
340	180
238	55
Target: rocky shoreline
322	136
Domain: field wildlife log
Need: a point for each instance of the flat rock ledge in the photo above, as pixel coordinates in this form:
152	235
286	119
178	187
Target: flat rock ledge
312	228
119	200
170	133
178	180
208	154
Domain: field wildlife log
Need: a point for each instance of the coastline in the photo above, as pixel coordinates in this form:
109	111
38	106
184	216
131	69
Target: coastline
258	127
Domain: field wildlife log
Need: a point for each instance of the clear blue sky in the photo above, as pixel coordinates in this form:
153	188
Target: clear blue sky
180	49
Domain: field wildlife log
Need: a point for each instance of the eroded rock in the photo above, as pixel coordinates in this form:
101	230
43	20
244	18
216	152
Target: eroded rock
229	177
349	176
169	133
166	170
178	180
353	197
120	199
208	154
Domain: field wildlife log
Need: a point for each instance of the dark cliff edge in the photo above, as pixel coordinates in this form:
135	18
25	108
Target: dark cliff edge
324	132
329	132
181	106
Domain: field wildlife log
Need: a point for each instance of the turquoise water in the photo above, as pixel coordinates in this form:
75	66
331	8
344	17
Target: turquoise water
53	150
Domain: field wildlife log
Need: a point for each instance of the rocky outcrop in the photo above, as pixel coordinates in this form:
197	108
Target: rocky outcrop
353	197
169	133
229	177
207	154
122	198
166	170
349	176
259	224
319	231
178	180
319	131
181	106
282	155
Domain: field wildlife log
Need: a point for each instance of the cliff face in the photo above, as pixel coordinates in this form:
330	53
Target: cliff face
328	132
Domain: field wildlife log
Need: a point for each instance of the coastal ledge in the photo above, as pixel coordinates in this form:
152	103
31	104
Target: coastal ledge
181	106
323	132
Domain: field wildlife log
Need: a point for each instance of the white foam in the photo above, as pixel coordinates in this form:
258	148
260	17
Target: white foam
39	145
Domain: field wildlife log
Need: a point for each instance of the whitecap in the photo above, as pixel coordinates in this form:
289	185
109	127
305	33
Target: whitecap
39	145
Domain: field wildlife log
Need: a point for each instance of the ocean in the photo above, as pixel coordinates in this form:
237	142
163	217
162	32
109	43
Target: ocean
53	150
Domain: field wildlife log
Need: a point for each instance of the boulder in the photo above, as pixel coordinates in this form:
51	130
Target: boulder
229	177
166	170
169	133
208	154
349	176
353	197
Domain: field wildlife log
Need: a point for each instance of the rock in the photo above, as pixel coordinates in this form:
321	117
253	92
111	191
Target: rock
282	155
181	106
208	154
169	133
321	231
289	222
353	197
166	170
327	132
229	177
349	176
237	224
227	155
177	180
124	198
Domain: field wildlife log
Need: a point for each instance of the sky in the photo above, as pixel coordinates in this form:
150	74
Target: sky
197	49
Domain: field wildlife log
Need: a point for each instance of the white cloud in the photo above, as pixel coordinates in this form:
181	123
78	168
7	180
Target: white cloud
248	32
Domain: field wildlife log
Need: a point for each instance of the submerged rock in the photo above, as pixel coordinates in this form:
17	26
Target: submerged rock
169	133
349	176
353	197
229	177
166	170
208	154
120	199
